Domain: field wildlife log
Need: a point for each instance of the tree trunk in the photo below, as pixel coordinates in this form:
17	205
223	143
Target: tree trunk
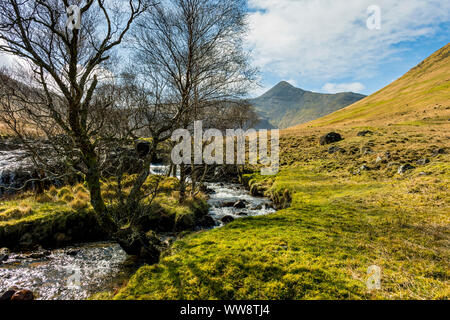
182	183
103	217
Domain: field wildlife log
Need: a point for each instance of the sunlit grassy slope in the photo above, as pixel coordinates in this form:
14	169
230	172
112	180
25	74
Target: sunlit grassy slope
420	97
346	208
338	224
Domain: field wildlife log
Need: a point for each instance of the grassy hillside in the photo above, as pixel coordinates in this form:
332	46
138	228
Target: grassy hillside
285	105
420	97
339	223
347	207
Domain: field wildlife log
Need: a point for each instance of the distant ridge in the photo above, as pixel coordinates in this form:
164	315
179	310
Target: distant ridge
420	97
285	105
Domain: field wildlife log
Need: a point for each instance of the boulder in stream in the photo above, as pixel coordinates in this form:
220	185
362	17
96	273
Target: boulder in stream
227	219
207	222
22	295
14	294
240	204
4	254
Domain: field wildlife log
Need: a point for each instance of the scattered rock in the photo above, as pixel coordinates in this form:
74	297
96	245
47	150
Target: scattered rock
330	138
424	173
184	222
392	164
258	207
438	151
227	204
39	255
22	295
8	294
404	168
143	245
423	161
379	159
335	149
4	254
240	204
207	222
227	219
364	168
364	133
366	151
72	252
361	169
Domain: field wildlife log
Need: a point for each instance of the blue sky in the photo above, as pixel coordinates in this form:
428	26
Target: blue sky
326	46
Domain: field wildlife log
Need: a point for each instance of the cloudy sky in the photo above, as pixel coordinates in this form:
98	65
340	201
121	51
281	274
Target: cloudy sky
327	46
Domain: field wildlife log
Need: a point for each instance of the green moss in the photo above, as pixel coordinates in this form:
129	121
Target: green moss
169	184
68	197
64	191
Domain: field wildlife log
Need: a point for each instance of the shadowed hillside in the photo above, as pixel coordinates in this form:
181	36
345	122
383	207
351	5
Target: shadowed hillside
285	106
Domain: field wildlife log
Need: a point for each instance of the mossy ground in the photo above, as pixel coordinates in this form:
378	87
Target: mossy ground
28	220
340	222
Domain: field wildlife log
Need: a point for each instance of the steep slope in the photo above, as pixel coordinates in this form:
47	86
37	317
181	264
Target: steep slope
420	97
284	105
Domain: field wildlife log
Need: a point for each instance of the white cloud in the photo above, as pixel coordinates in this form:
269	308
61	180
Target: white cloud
343	87
328	39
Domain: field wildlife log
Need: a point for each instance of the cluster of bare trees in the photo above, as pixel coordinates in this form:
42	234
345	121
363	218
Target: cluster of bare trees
185	62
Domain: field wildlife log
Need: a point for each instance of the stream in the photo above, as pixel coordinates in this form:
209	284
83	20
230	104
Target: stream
77	272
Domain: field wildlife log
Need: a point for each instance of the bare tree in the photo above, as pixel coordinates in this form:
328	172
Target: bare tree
193	50
64	98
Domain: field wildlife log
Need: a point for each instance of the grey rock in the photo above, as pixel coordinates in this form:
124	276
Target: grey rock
423	161
258	207
438	151
72	252
8	294
404	168
240	204
227	219
330	138
227	204
207	222
366	151
364	133
334	149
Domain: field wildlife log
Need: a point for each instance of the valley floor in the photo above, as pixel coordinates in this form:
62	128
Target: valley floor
349	209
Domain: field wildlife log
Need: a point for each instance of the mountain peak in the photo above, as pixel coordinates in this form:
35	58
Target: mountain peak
283	84
285	105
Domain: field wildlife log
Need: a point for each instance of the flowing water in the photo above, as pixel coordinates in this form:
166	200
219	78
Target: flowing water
77	272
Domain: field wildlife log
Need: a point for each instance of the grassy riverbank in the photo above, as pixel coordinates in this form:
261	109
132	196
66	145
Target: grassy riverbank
342	218
64	216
